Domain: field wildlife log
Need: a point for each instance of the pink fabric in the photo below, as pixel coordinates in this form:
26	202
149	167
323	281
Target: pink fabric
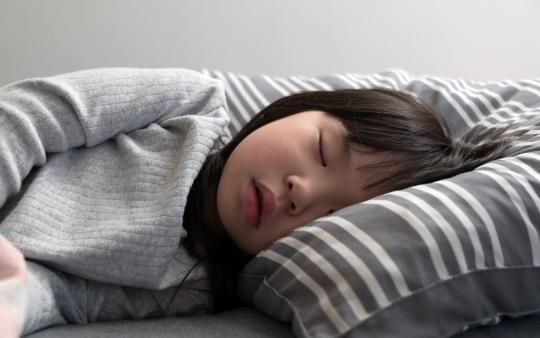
12	289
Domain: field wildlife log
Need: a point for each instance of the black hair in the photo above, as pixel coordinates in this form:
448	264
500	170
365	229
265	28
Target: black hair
417	138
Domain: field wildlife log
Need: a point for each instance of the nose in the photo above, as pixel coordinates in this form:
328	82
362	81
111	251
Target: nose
303	193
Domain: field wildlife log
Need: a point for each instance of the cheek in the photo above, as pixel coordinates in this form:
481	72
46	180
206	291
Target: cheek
255	160
227	191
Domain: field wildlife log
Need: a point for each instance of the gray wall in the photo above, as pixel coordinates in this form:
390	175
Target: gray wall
477	39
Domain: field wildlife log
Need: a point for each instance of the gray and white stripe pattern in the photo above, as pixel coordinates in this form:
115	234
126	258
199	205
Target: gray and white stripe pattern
399	264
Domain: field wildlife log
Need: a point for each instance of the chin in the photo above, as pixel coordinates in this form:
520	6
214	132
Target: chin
250	250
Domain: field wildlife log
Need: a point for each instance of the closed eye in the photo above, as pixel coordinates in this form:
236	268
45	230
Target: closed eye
321	155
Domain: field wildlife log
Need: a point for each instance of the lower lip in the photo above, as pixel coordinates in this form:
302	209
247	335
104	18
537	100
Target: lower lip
251	205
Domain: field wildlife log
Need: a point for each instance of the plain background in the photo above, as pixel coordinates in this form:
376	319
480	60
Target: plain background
473	39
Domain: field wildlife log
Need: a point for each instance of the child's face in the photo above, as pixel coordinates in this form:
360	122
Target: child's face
284	156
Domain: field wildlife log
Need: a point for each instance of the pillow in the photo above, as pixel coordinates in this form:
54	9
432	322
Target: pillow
428	261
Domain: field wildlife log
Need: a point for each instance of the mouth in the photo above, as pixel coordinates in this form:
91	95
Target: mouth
266	199
259	203
252	204
259	198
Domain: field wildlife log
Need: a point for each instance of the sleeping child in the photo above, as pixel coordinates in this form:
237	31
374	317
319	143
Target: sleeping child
128	197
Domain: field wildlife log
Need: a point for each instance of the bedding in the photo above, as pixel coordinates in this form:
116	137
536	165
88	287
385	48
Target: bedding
428	261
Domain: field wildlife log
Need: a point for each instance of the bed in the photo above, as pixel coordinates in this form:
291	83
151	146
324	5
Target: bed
462	258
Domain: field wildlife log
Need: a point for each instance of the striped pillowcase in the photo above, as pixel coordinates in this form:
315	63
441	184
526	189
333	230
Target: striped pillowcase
429	261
